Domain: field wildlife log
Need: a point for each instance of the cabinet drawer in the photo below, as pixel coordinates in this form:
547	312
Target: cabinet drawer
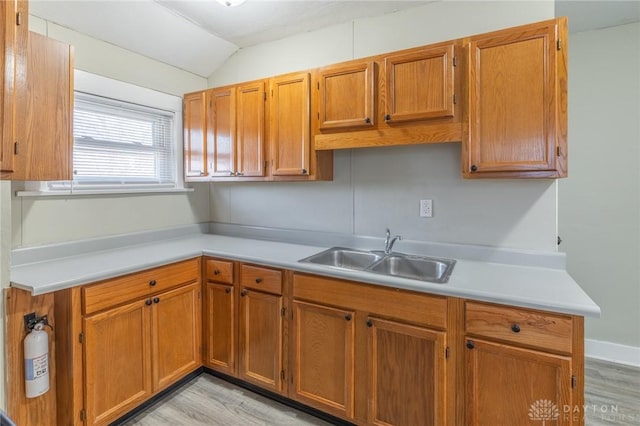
220	271
414	307
523	326
140	284
263	279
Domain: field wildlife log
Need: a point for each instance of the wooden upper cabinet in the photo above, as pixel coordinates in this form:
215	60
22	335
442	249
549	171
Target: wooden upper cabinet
419	85
221	131
13	49
289	125
194	121
517	102
346	96
44	120
250	113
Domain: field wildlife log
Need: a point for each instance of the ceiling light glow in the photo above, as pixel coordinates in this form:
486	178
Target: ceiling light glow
231	3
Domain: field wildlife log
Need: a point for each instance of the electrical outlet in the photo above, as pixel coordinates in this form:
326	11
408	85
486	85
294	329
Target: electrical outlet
426	208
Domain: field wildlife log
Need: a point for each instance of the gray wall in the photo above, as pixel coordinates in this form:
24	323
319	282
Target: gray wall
599	203
378	188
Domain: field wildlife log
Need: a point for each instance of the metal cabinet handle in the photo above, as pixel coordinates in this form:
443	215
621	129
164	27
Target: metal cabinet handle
227	290
156	300
216	272
369	323
474	168
347	317
148	302
387	117
470	344
515	328
258	280
243	293
367	120
152	283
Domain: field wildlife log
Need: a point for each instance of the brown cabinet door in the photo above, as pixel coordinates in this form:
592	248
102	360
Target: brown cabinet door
195	151
407	374
117	361
506	385
346	96
221	131
176	334
250	130
289	125
323	357
220	328
513	100
44	136
419	85
260	343
13	45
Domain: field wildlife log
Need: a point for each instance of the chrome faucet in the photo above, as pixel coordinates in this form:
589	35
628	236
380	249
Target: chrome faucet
389	242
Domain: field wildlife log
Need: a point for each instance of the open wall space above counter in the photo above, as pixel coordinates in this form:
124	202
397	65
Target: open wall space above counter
502	94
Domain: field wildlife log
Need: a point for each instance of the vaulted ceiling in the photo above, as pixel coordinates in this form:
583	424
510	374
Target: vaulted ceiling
199	35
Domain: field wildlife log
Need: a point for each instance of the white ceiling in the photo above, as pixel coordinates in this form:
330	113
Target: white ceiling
199	35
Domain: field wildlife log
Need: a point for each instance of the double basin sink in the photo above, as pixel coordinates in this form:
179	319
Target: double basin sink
393	264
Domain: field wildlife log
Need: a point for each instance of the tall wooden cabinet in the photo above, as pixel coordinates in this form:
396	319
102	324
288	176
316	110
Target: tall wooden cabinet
517	117
289	130
220	319
36	100
195	127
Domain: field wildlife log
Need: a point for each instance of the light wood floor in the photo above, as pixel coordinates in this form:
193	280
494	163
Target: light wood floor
612	397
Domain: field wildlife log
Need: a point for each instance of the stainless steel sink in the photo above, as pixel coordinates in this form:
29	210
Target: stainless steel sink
415	267
394	264
340	257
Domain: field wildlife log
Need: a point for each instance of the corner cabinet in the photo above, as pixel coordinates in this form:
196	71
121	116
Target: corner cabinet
517	117
36	100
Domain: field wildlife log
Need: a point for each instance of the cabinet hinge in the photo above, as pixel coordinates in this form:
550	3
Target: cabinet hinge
574	382
318	85
19	18
318	115
83	415
15	148
282	376
265	96
558	151
81	337
283	312
455	61
291	315
559	45
454	99
446	352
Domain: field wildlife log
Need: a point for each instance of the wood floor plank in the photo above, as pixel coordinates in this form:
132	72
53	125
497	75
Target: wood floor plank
612	397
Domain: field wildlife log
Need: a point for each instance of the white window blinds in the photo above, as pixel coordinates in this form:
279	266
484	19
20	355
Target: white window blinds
118	143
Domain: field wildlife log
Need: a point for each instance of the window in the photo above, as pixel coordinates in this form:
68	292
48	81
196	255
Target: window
121	143
127	138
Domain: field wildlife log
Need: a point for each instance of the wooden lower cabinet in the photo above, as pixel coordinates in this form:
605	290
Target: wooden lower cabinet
135	350
507	385
117	361
324	357
406	374
220	323
260	343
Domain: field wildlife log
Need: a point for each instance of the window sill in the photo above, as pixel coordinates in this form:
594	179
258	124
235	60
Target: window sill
94	192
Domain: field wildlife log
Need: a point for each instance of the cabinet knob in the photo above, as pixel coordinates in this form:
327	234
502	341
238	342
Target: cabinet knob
470	344
227	290
148	302
304	171
238	173
156	300
243	293
367	120
258	280
232	174
387	117
152	283
369	323
474	168
216	272
347	317
515	328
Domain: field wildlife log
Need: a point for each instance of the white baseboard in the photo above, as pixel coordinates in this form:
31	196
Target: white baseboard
613	352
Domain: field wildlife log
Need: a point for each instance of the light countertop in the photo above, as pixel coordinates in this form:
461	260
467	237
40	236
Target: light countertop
550	289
